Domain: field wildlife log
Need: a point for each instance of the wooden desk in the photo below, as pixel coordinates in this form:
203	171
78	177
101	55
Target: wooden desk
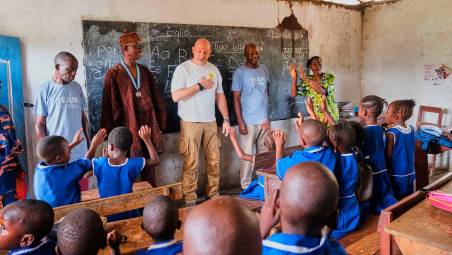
421	162
424	229
93	194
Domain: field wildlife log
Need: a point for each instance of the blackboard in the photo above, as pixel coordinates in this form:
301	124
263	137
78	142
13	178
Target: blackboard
167	45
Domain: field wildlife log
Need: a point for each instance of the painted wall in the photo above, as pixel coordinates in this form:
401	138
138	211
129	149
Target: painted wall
398	40
48	26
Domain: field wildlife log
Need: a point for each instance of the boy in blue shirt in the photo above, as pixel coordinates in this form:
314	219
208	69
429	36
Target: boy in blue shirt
24	226
312	133
160	221
116	173
400	145
305	205
56	179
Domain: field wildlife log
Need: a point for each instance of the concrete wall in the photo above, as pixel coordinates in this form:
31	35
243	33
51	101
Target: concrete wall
398	40
48	26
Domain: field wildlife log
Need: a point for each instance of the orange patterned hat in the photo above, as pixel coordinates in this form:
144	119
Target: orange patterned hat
127	38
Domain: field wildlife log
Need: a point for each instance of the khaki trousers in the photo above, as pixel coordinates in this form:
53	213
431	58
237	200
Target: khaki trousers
192	136
253	140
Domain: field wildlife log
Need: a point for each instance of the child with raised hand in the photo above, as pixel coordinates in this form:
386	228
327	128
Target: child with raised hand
373	150
400	145
160	221
116	173
56	179
24	226
312	134
342	136
306	207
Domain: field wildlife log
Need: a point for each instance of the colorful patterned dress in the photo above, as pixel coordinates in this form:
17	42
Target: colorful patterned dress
303	89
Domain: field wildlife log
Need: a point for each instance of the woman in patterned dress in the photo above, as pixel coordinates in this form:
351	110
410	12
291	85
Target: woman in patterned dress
315	86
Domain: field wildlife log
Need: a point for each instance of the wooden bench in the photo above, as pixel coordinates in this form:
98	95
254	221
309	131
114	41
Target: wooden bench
365	240
94	193
122	203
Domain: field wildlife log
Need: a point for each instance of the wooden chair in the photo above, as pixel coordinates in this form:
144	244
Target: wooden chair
420	121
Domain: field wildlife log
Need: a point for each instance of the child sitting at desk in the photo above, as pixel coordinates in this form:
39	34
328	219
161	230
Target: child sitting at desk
160	221
116	173
24	225
305	206
56	179
400	145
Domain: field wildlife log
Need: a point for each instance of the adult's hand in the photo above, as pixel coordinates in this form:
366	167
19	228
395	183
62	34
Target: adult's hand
206	83
226	128
242	128
293	71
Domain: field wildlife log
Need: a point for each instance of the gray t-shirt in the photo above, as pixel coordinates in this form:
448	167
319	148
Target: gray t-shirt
252	83
62	105
201	106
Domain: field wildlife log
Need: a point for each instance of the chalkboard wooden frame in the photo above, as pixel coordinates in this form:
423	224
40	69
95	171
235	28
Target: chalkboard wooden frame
167	45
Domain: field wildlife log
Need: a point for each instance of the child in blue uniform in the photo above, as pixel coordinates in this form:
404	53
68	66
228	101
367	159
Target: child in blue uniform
56	179
306	204
24	225
373	151
116	173
400	145
342	136
82	232
160	221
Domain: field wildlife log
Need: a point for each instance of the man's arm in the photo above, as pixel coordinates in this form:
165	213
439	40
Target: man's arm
185	93
223	107
85	126
238	112
40	127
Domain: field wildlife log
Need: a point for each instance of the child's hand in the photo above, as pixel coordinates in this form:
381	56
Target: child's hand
293	71
78	137
310	108
145	133
280	138
299	121
269	214
105	152
99	137
114	239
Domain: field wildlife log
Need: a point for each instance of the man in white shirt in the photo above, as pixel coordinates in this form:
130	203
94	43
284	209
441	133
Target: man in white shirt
197	86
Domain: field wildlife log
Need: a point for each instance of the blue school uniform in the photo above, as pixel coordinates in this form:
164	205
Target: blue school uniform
58	184
286	244
346	172
255	190
374	155
163	248
401	162
114	180
324	155
45	247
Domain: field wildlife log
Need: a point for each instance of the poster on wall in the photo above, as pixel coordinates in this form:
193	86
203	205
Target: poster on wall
437	74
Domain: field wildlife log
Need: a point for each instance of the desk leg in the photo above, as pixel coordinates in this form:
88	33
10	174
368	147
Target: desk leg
420	166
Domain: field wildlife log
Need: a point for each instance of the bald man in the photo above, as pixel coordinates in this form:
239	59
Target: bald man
311	134
60	106
221	226
306	204
196	87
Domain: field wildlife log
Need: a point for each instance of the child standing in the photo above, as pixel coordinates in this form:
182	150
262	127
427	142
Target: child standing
373	151
56	179
116	173
400	145
342	136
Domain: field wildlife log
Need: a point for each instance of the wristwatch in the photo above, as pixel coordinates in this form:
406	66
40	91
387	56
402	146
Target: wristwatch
225	120
201	88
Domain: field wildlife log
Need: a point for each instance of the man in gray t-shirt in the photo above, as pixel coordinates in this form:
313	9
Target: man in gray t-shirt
60	105
250	95
196	87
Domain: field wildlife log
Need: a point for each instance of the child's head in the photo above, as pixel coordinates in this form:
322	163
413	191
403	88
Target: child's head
371	106
360	134
53	150
342	136
24	222
312	133
161	218
400	111
120	139
81	232
221	226
308	198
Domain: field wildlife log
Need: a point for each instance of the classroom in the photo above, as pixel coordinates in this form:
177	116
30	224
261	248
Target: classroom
208	107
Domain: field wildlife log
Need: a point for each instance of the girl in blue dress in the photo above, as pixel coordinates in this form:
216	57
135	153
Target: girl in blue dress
342	136
400	145
373	151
